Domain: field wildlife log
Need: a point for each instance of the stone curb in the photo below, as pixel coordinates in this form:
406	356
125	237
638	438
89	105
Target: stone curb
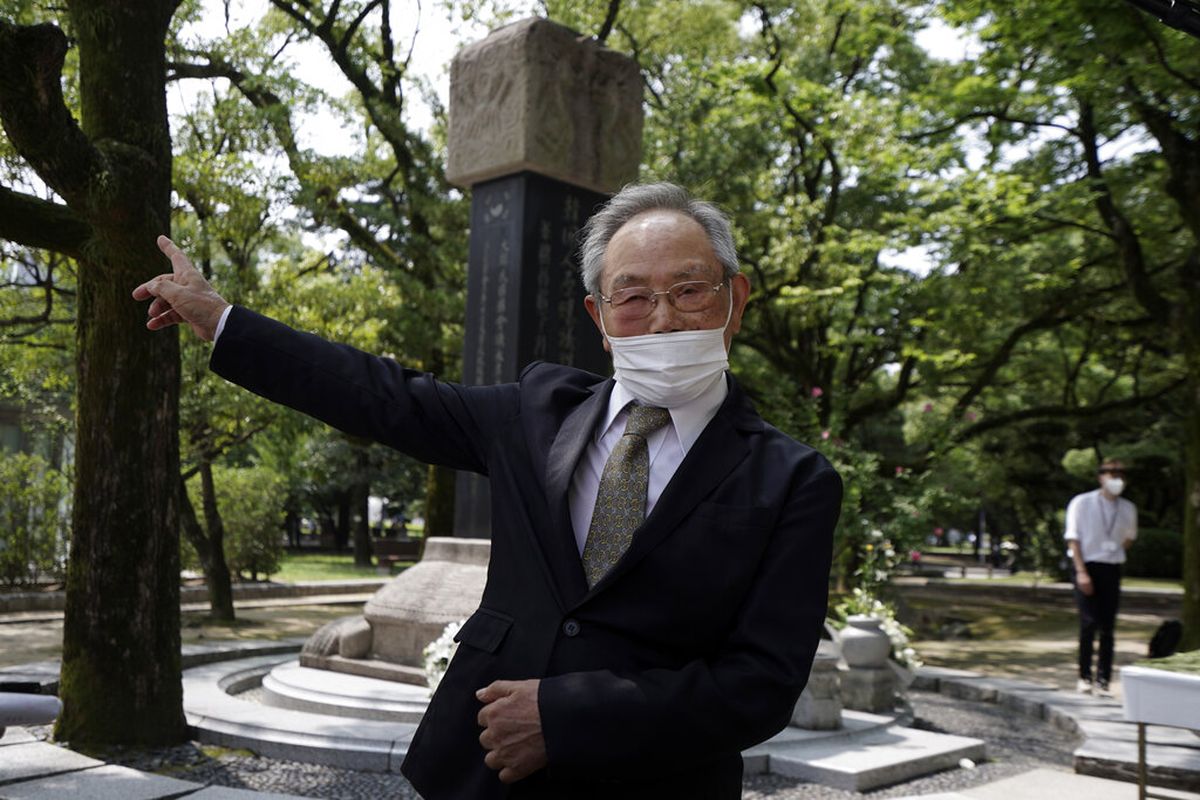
1162	600
18	602
45	673
1109	748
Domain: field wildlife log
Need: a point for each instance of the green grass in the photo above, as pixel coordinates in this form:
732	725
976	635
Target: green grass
1188	662
321	567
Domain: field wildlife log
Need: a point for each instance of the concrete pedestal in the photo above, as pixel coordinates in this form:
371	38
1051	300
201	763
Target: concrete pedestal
820	706
869	688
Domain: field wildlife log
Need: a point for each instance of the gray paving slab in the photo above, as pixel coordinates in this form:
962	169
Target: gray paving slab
1065	710
1127	731
874	759
226	793
107	782
20	762
16	735
1167	766
1050	784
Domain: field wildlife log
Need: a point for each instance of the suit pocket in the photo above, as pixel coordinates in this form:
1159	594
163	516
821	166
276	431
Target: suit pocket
739	517
485	630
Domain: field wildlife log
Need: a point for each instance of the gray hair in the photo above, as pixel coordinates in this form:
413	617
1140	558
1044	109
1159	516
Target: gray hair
636	199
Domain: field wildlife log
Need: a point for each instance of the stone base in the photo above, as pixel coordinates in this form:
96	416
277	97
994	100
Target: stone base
413	609
820	707
817	715
869	688
388	640
367	668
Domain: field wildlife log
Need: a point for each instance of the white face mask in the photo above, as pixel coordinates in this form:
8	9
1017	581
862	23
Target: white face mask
669	370
1114	486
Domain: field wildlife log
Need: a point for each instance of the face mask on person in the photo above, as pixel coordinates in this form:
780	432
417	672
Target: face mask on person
1114	486
669	370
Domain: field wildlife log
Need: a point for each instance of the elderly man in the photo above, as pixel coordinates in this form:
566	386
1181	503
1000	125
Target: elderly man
1101	526
660	554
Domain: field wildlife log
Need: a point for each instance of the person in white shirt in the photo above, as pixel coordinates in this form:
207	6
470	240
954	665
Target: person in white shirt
1101	525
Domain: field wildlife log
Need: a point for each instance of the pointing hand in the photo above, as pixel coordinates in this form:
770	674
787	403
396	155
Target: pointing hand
182	295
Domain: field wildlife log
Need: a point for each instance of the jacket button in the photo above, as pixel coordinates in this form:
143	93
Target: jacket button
571	628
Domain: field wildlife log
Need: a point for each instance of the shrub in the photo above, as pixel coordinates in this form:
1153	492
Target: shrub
250	501
33	519
1156	553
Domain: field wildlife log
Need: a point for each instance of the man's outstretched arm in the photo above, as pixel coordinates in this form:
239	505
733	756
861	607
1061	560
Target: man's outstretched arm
181	295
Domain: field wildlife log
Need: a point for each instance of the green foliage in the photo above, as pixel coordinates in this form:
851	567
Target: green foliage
1156	553
250	503
34	502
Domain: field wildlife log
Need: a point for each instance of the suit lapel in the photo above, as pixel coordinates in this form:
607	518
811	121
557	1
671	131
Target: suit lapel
720	448
558	542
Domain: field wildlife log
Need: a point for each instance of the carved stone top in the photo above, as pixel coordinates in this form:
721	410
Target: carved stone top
535	95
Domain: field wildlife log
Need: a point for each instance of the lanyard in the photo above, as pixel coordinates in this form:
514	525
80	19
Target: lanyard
1112	520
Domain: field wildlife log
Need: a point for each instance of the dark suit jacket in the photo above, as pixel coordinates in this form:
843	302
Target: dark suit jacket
695	646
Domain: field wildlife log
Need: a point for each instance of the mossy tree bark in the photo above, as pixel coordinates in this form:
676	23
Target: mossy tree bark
120	678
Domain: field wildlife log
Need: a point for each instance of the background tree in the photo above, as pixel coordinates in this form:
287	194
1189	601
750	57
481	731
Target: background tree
1106	97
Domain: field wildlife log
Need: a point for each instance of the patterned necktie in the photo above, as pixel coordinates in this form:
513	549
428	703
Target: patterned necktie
621	501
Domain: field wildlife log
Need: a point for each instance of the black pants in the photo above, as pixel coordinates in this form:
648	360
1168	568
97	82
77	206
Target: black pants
1098	614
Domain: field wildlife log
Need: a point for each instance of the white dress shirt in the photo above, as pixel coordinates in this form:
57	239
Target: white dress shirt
221	322
667	448
1100	526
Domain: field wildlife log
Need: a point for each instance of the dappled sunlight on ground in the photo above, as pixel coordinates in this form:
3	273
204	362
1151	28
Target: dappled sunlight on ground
263	623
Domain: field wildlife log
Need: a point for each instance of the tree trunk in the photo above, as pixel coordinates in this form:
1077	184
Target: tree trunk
439	502
342	533
120	680
360	497
216	571
1191	514
291	524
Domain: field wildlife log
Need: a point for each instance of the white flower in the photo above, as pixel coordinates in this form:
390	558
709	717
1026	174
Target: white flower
876	533
439	652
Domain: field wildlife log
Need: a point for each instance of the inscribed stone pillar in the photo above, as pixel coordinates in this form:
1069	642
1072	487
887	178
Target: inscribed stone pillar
544	126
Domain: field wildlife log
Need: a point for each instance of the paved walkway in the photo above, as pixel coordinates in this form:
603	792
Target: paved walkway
34	769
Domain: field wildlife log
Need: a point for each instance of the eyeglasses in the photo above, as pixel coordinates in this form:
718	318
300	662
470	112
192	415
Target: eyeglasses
1120	473
636	302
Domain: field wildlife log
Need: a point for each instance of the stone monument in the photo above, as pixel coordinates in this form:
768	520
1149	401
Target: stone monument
544	126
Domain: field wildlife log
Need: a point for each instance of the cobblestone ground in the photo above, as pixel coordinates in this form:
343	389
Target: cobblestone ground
1015	744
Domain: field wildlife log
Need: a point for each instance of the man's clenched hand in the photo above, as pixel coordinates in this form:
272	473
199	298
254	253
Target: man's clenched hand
512	728
182	295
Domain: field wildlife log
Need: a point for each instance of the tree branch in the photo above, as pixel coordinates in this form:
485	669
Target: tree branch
1064	412
33	112
1128	245
610	19
33	222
